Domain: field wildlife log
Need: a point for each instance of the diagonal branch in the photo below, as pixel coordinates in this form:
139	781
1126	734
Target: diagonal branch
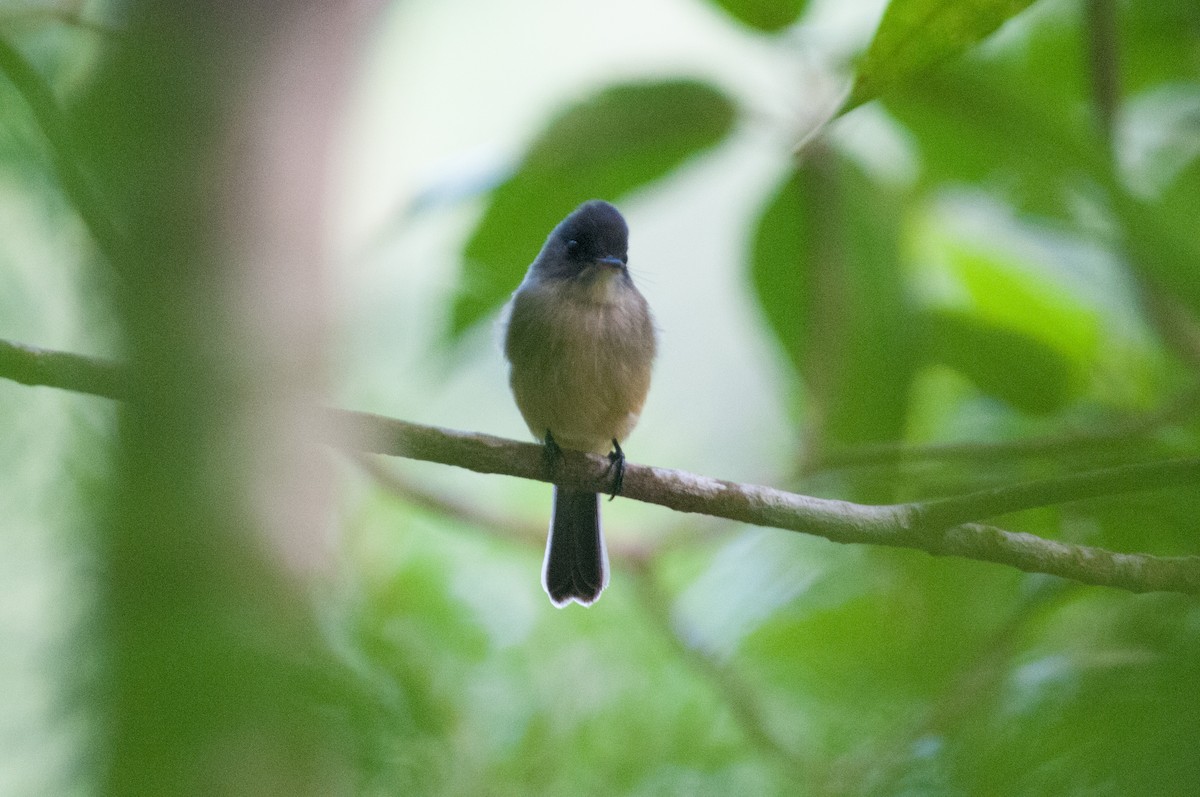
943	527
945	512
1115	433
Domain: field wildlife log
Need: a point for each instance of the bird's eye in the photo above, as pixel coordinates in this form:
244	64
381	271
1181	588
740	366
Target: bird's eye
572	246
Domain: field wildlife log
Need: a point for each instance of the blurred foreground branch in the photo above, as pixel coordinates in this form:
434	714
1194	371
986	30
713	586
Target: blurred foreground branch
942	527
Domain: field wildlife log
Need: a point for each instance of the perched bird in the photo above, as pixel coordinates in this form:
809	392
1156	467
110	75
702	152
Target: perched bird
580	342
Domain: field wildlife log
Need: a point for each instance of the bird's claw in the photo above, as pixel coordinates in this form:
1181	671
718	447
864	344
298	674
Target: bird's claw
616	460
551	453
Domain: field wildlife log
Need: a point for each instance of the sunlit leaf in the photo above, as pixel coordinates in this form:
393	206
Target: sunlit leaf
1008	295
915	35
1041	151
1019	123
622	138
765	15
1004	362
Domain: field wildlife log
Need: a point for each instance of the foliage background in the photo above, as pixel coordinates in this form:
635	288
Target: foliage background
985	272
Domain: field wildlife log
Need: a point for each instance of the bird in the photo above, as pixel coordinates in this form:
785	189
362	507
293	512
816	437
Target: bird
580	341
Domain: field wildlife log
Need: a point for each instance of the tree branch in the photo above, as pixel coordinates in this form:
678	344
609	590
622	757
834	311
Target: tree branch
942	527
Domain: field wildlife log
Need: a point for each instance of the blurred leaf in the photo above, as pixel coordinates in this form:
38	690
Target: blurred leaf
1003	362
915	35
1158	43
55	126
780	265
1120	521
1162	237
1023	129
1007	294
1016	336
623	138
1160	137
1019	123
416	604
22	146
1032	149
825	268
765	15
1103	708
903	633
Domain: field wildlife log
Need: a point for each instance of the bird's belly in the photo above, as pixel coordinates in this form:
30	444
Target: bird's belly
586	383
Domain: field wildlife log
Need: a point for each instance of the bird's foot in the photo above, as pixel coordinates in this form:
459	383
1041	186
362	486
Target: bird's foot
616	465
551	454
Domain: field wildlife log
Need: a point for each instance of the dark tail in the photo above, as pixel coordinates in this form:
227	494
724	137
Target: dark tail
576	567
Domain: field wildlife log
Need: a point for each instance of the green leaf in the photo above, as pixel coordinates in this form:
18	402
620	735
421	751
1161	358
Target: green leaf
1003	293
781	271
1033	150
1089	707
622	138
898	630
1019	124
1161	237
765	15
915	35
1120	521
1003	362
825	268
1158	43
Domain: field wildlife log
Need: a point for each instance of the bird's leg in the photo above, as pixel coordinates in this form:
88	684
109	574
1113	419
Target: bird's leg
616	460
551	454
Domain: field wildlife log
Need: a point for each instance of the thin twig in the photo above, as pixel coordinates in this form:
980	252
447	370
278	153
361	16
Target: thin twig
737	695
1117	433
922	525
508	527
958	509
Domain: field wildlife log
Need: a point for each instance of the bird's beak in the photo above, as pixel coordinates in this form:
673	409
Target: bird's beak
614	262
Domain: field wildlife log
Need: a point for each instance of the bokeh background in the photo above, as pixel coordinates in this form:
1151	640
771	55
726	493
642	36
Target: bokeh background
895	251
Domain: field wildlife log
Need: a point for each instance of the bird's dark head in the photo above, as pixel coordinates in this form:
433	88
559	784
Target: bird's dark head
593	237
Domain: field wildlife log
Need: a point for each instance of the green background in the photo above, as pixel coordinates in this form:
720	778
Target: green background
894	253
